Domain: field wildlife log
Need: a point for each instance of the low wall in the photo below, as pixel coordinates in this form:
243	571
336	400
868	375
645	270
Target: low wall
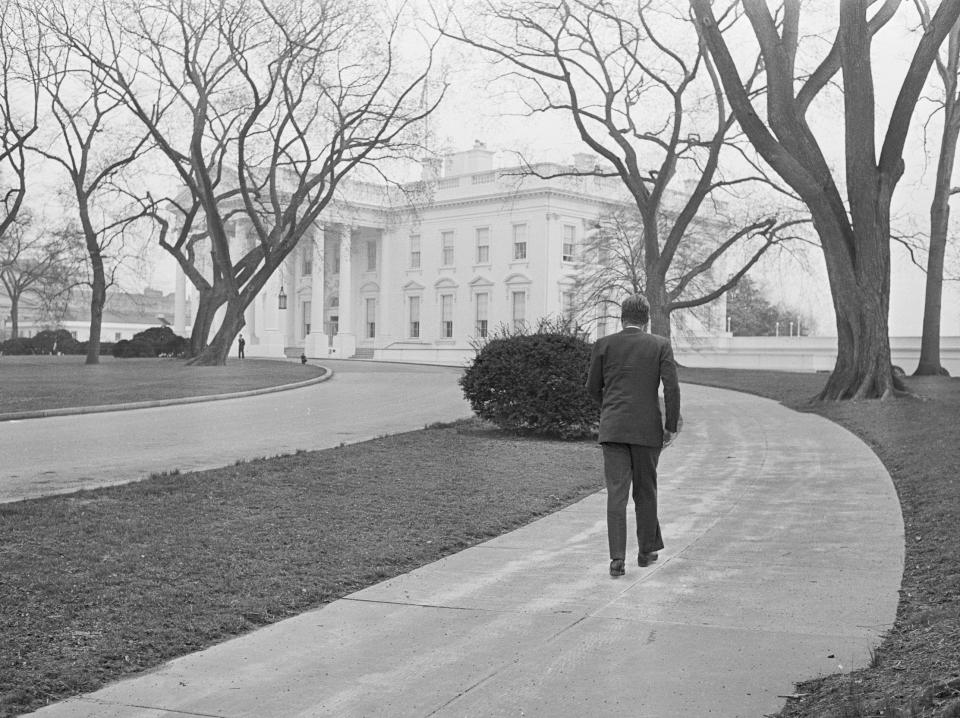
804	354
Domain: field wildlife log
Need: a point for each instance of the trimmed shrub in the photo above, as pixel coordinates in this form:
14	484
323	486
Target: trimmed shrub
17	345
49	341
533	383
53	341
163	340
151	342
134	349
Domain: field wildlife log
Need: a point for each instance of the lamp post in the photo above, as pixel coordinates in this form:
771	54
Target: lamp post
777	329
282	299
791	328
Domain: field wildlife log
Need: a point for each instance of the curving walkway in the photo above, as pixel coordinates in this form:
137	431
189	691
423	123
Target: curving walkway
783	561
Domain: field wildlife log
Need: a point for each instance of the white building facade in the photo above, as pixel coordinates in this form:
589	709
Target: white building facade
488	247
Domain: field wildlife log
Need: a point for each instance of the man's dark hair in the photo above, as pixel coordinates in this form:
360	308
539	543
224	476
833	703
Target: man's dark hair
635	310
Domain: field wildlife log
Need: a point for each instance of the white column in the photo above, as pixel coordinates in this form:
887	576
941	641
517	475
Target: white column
316	344
289	327
387	305
345	343
180	303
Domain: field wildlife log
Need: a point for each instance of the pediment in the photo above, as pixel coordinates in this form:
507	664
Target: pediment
518	278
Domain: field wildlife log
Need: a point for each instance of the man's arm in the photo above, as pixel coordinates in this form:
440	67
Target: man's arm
671	388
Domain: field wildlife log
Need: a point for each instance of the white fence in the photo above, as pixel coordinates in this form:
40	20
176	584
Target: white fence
807	354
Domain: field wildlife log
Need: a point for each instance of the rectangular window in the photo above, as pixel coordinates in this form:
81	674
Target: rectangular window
336	258
483	245
414	317
519	241
306	264
371	255
483	309
446	242
371	305
603	252
569	242
414	251
519	309
306	308
116	336
446	316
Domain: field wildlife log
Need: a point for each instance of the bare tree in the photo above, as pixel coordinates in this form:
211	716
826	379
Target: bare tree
854	235
643	95
19	93
613	262
282	101
35	263
948	67
92	142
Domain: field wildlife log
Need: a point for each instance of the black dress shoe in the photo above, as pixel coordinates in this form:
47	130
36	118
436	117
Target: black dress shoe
645	559
616	567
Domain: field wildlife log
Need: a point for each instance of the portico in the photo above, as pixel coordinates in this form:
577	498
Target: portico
324	300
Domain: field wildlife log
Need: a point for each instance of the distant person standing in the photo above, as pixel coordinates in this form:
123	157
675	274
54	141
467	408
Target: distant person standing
626	370
241	343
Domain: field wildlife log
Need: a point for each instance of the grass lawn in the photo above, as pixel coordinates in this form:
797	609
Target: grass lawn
29	383
103	583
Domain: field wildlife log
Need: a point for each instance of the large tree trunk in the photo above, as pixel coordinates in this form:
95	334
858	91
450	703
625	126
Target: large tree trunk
863	367
656	294
207	305
14	316
861	301
98	298
216	352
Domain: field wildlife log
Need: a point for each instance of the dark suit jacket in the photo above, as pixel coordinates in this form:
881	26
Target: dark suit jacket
625	374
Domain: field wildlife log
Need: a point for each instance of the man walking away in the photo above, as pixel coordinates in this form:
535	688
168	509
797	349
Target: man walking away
626	370
241	342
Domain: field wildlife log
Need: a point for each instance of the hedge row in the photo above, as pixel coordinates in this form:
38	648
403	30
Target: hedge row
152	342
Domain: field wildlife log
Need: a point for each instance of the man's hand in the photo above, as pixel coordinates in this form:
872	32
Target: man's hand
668	437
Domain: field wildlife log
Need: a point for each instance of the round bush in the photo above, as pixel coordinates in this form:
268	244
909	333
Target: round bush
134	349
533	383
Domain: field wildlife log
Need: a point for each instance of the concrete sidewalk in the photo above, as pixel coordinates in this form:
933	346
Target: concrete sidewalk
783	561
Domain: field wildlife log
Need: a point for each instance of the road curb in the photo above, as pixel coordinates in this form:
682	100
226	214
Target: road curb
70	411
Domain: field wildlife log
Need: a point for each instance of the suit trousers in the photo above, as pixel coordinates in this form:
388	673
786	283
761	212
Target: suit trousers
626	466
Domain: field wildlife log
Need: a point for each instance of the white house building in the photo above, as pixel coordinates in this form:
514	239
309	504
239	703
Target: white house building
386	279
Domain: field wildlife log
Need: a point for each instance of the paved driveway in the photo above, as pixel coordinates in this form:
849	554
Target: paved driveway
361	401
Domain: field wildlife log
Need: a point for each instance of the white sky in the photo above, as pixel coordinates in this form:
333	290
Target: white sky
476	108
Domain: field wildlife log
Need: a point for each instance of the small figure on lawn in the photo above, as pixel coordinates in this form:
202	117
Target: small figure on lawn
241	342
303	358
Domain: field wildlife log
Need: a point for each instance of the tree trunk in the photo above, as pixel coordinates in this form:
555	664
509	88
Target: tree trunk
98	298
14	316
861	300
207	305
656	293
216	352
933	300
939	224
